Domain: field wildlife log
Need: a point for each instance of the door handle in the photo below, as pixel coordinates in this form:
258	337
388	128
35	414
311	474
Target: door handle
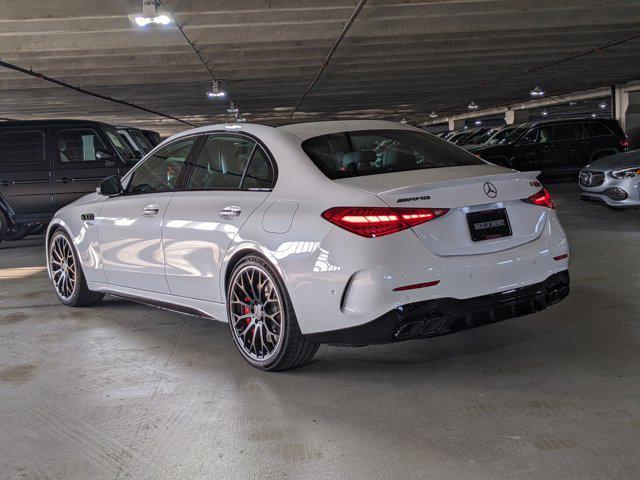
150	210
64	180
230	212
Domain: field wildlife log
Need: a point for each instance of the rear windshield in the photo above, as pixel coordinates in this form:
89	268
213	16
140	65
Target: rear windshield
369	152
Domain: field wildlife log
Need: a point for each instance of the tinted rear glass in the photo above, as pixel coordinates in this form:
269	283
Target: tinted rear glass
21	148
370	152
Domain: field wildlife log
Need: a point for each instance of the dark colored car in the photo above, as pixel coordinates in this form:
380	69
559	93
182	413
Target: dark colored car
136	140
44	165
153	137
557	146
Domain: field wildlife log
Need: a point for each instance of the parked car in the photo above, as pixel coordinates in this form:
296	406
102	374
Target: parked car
44	165
353	232
153	137
493	136
613	181
136	140
557	146
459	137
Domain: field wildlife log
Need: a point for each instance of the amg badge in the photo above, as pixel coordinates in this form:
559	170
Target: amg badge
414	199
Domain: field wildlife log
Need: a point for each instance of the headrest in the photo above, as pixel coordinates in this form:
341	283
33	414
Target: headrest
352	159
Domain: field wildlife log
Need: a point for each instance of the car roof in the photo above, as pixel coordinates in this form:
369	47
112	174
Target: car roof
568	120
302	131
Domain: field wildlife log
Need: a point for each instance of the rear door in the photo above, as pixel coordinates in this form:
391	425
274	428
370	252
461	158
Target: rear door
82	159
535	150
25	173
569	147
231	177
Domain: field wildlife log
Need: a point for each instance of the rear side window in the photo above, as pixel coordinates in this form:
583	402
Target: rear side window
595	129
22	148
568	131
370	152
221	163
259	173
79	145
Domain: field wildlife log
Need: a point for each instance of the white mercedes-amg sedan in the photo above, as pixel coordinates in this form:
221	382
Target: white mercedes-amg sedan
351	233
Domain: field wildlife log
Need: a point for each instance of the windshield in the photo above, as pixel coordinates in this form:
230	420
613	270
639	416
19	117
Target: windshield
370	152
121	147
141	140
515	134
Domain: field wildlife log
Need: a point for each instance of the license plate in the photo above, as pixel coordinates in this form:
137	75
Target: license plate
488	224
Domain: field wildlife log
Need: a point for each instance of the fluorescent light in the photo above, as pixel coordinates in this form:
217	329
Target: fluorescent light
603	105
149	15
478	122
594	115
216	91
472	105
433	114
403	121
545	113
232	108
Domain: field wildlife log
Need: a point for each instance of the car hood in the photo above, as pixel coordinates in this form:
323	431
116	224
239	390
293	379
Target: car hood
617	161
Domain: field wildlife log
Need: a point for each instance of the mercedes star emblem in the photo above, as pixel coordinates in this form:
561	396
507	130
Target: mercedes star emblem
490	190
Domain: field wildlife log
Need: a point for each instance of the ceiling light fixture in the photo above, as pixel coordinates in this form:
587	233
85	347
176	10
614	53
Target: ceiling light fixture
537	91
545	113
594	115
478	122
433	114
403	121
603	105
216	91
573	103
150	15
240	119
473	105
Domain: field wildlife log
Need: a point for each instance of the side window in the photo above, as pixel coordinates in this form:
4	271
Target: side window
22	148
530	136
259	173
159	172
542	134
79	145
597	130
568	131
221	163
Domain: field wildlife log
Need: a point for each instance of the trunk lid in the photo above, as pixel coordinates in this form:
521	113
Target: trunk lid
462	190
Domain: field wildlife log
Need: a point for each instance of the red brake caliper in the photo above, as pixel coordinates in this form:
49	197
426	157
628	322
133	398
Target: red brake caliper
247	311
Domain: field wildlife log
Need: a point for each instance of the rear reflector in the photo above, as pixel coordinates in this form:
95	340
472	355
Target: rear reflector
561	257
417	285
373	222
624	143
541	198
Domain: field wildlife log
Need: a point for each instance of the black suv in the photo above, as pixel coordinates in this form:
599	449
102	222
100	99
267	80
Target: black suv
557	146
44	165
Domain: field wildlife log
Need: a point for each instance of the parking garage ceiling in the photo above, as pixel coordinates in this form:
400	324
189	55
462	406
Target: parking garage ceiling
399	59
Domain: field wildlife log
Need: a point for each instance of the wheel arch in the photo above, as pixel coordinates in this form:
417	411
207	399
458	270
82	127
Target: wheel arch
236	257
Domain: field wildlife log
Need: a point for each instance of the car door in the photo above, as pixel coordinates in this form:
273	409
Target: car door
25	173
130	225
535	150
568	147
82	159
230	178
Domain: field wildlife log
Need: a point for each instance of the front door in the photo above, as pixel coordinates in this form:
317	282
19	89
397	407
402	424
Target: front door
25	174
231	177
82	159
569	150
130	225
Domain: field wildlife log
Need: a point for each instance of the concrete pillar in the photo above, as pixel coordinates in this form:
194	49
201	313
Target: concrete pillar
631	124
456	124
516	116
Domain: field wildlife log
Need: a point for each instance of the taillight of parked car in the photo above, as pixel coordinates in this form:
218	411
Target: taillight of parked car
379	221
541	198
624	143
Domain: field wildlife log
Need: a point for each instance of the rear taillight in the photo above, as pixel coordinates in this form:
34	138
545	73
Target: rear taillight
541	198
379	221
624	143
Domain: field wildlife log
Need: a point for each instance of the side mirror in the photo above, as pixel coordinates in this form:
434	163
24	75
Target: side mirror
110	186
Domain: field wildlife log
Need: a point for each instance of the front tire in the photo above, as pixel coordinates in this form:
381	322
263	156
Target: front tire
67	275
262	321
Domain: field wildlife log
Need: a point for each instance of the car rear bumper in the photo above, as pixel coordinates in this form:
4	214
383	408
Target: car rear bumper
431	318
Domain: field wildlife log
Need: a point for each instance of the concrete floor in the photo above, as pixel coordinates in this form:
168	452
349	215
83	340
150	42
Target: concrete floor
128	391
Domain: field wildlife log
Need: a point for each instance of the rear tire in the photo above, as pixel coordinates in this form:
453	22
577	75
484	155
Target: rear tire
262	321
67	275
